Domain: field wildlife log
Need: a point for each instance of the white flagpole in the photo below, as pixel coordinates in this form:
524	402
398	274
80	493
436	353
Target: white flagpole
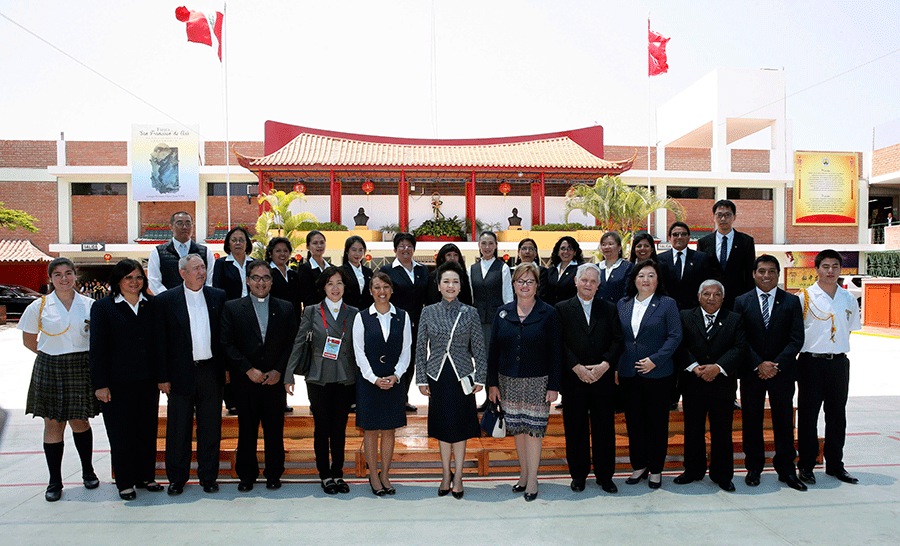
650	119
225	93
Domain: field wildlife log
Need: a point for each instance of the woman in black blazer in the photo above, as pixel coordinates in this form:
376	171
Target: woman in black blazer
124	377
229	271
449	253
310	269
284	278
614	270
358	276
643	247
558	284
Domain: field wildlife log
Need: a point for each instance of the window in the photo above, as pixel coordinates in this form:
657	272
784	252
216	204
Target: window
683	192
752	194
218	188
118	188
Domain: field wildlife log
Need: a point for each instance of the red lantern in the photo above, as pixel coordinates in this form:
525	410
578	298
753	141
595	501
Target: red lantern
216	255
505	188
300	187
368	257
506	257
107	257
368	186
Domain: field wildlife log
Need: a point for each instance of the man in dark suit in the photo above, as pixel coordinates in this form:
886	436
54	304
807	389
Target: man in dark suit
257	337
191	373
683	268
711	354
773	320
162	266
592	341
731	253
410	292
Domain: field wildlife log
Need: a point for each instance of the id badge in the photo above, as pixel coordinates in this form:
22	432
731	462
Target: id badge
332	347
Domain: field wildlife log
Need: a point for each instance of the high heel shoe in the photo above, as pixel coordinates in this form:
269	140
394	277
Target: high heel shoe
377	492
632	480
456	494
518	488
445	492
387	490
655	484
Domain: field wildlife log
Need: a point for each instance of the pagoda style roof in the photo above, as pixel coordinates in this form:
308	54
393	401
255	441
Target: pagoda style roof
20	250
313	148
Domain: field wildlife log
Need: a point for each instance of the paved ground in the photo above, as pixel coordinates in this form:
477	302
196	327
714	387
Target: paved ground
830	513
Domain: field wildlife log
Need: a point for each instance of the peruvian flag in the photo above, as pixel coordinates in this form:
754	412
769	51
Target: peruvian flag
657	49
200	27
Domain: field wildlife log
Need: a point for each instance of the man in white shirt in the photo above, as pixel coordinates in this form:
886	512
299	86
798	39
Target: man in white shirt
830	313
162	265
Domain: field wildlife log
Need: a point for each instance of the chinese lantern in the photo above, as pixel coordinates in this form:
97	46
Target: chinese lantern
216	255
300	187
107	257
506	257
368	257
368	186
505	188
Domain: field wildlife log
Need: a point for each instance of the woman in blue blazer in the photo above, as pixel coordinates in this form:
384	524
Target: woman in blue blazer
614	269
651	332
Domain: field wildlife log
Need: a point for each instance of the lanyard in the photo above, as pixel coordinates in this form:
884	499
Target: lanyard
344	327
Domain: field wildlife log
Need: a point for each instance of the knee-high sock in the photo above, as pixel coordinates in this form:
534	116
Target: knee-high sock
54	454
84	443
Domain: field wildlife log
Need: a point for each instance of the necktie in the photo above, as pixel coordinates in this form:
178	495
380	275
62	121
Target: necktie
678	265
723	253
182	250
709	322
765	309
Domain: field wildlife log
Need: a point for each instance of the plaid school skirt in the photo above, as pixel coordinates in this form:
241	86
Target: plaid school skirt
524	401
61	388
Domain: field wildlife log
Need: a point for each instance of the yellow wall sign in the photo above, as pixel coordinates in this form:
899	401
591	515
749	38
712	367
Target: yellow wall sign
796	278
825	189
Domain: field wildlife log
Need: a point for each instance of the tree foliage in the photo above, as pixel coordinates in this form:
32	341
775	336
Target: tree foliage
12	219
279	221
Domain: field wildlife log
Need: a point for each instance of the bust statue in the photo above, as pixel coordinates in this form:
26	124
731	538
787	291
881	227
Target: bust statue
361	219
514	220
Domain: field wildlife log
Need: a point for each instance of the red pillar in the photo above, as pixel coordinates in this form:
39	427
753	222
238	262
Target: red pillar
537	202
335	189
470	205
403	196
263	190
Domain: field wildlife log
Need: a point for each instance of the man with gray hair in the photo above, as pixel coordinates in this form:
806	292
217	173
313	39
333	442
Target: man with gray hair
191	373
592	340
711	355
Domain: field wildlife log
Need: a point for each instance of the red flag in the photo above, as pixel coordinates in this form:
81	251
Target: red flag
657	49
200	27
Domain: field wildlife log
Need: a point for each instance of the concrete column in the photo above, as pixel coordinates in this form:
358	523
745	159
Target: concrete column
201	229
661	214
64	210
862	213
779	215
131	213
720	154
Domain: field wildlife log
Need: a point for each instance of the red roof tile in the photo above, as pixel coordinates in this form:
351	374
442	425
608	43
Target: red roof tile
12	250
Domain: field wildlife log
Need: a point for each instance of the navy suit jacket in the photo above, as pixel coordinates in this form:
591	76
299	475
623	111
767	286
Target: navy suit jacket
613	289
725	344
226	277
696	270
658	337
409	296
782	340
529	348
175	360
122	343
737	275
242	340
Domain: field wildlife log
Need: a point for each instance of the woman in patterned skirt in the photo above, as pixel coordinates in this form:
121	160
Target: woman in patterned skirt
56	327
450	349
524	371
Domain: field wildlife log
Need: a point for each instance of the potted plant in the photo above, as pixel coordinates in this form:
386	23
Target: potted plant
441	229
388	231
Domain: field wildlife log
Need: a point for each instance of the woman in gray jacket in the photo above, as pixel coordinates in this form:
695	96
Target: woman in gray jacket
331	380
451	365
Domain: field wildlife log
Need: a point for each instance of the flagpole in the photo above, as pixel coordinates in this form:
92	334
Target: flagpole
225	93
649	119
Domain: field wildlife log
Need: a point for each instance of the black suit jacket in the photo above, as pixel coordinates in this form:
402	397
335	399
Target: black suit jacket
554	287
287	290
242	341
307	293
122	343
352	295
226	277
725	345
781	341
696	270
589	344
737	275
175	360
409	296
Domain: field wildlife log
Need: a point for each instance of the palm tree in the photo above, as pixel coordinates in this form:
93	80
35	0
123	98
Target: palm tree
618	206
278	221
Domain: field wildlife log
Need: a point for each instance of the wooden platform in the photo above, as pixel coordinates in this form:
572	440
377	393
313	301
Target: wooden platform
416	454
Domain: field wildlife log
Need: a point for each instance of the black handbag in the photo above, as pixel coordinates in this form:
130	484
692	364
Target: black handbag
493	420
307	354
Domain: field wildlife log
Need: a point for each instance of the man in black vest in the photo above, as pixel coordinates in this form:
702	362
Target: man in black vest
162	267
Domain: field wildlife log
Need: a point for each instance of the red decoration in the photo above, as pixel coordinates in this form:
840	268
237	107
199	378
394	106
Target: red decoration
506	257
217	255
107	257
657	49
505	188
300	187
368	186
368	257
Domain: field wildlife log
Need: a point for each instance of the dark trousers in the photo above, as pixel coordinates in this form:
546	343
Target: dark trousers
330	406
589	421
647	419
781	402
259	404
702	400
819	382
131	417
206	400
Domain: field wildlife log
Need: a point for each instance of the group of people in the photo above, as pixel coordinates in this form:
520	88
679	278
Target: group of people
601	334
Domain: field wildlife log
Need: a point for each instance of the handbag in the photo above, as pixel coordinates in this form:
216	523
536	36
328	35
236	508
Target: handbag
307	355
493	421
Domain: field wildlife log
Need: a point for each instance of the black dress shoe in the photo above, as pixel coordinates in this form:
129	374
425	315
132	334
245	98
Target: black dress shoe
577	486
288	409
273	484
410	408
843	475
342	486
128	494
607	485
176	489
807	476
655	484
54	492
518	488
685	478
91	481
458	494
634	481
232	411
243	487
380	492
150	486
329	487
752	478
793	482
726	485
210	486
530	496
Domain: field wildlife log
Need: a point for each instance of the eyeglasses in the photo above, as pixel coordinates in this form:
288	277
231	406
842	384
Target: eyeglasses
261	278
680	234
183	223
405	247
235	240
528	249
724	215
566	249
526	282
134	278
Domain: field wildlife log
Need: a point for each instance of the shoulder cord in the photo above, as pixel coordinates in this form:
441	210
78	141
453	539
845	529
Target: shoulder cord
817	313
40	314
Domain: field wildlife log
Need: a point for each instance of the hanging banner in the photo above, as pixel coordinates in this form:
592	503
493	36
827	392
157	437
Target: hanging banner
825	189
165	162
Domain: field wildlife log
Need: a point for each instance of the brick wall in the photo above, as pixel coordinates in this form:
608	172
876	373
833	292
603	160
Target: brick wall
161	212
825	235
750	161
99	153
99	218
698	212
39	200
241	213
616	153
754	218
886	160
27	153
688	159
215	151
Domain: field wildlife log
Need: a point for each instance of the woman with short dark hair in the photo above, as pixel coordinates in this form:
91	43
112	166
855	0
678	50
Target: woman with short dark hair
229	272
311	268
358	276
558	284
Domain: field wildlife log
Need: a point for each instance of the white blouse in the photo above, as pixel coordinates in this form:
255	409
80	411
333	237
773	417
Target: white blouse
359	342
61	331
